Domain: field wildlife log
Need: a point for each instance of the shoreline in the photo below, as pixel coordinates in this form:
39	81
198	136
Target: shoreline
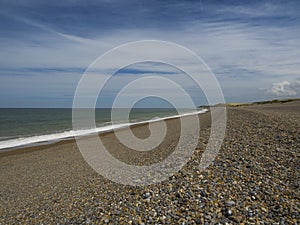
204	120
109	128
82	133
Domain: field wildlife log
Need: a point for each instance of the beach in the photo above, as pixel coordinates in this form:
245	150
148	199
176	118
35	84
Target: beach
253	180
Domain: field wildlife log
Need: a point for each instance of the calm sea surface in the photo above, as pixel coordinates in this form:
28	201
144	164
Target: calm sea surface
25	126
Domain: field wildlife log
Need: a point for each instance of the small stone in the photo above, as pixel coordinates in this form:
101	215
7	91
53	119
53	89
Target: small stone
237	219
197	221
228	213
230	203
264	209
250	214
146	195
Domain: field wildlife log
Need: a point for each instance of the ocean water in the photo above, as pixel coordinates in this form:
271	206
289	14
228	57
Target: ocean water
26	126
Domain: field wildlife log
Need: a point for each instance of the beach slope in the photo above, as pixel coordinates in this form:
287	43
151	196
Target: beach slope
255	178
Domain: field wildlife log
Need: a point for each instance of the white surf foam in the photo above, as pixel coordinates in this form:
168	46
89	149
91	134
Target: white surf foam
18	142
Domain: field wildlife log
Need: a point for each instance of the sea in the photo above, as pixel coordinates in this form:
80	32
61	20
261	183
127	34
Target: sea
33	126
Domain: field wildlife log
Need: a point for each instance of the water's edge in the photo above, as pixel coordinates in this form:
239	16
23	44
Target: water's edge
14	144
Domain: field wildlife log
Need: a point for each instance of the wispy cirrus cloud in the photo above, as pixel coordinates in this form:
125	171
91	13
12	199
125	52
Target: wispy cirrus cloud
249	46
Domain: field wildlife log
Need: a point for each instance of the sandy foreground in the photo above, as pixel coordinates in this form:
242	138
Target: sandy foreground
253	180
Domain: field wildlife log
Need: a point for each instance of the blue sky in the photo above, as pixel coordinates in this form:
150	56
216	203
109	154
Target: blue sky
252	47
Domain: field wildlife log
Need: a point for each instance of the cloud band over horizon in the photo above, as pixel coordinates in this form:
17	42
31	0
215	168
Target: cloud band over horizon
252	47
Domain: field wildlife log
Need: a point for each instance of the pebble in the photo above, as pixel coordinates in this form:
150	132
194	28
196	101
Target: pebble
228	212
252	180
230	203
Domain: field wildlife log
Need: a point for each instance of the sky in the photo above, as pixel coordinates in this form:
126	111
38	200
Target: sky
252	47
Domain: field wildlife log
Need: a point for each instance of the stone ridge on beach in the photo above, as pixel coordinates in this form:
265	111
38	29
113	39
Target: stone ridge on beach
254	180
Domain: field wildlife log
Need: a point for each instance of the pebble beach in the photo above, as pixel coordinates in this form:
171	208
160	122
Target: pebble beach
254	179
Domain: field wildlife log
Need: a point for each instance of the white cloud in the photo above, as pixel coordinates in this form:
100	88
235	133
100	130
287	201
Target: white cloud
268	52
286	88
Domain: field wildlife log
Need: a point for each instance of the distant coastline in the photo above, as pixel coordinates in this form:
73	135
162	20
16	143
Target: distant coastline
237	104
